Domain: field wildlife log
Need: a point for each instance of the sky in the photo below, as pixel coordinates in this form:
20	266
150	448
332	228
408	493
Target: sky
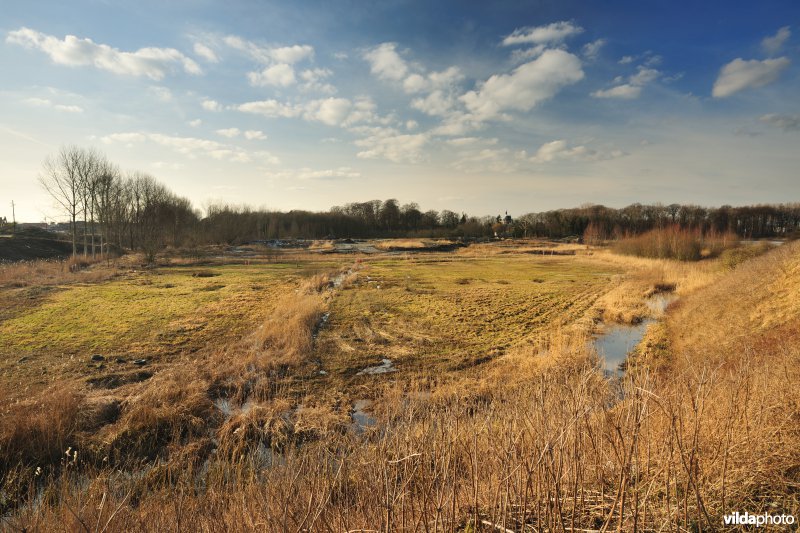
474	106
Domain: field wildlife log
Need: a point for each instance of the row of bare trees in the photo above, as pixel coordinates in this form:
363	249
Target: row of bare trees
103	204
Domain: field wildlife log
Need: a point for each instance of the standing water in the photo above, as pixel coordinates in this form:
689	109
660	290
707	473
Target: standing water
617	341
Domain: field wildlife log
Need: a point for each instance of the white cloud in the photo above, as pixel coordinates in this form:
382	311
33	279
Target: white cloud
625	91
592	49
229	132
292	54
417	83
151	62
742	74
644	76
205	52
193	146
626	60
211	105
559	150
363	110
386	63
307	173
267	55
437	103
328	174
195	123
469	141
772	45
411	124
523	55
279	75
552	33
254	135
270	108
44	102
496	160
525	87
784	122
312	80
330	111
631	89
389	144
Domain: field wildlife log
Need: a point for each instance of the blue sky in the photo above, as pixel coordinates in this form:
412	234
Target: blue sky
471	106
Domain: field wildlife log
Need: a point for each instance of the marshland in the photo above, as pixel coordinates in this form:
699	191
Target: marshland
414	390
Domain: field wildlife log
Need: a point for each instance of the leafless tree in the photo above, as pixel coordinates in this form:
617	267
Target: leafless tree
61	178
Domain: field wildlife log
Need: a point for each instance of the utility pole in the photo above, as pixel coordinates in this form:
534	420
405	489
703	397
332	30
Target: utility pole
13	217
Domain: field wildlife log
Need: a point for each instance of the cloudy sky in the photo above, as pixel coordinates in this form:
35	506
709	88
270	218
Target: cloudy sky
471	106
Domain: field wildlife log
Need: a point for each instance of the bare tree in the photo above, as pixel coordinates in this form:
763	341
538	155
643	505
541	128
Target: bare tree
61	178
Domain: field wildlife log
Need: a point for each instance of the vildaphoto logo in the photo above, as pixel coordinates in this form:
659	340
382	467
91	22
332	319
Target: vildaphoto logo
758	520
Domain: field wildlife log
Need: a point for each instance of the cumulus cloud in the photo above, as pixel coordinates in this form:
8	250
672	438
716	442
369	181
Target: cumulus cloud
229	132
525	86
559	150
386	63
150	62
784	122
625	91
387	143
592	49
205	52
742	74
254	135
552	33
773	44
211	105
632	88
330	111
313	80
279	75
270	108
44	102
416	83
437	103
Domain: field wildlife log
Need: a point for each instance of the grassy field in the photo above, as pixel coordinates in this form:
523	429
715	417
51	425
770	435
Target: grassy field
496	414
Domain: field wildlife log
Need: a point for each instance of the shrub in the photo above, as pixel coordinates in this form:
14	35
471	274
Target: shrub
674	242
735	256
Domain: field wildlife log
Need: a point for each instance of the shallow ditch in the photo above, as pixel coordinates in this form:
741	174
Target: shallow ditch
617	341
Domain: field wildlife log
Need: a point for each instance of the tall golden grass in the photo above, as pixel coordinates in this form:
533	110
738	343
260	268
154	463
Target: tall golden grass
538	441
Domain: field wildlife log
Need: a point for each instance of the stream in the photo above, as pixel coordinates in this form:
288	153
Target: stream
616	341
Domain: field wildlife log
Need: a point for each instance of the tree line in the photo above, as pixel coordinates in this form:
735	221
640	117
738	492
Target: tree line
109	208
600	223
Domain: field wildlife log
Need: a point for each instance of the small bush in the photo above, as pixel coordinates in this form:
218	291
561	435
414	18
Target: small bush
732	258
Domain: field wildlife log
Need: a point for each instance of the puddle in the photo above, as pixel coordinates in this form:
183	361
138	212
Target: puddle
361	419
617	341
385	367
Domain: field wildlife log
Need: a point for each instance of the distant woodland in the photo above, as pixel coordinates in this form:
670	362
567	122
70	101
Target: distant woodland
108	208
